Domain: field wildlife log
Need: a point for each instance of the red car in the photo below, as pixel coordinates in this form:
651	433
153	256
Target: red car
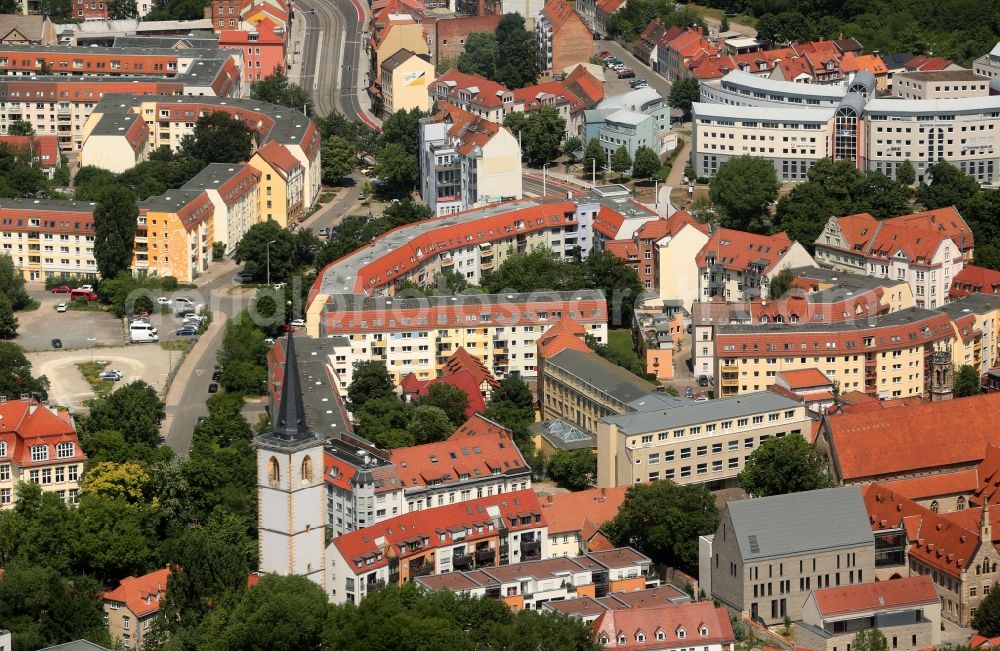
602	54
287	328
61	289
82	294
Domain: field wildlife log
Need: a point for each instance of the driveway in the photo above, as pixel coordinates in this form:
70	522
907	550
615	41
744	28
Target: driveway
147	362
615	86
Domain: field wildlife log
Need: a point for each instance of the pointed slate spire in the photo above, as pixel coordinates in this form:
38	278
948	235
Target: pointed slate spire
290	423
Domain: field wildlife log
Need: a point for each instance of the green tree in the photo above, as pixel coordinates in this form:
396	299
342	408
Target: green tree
967	382
480	55
780	284
570	147
219	138
398	168
276	89
21	128
339	159
619	282
115	218
429	424
683	94
594	157
8	322
405	212
122	9
542	136
135	410
573	469
724	24
986	621
517	123
385	421
742	190
870	639
91	182
784	465
12	284
371	381
252	252
647	163
517	56
15	373
621	162
450	399
949	186
403	127
664	520
58	10
280	613
905	173
111	540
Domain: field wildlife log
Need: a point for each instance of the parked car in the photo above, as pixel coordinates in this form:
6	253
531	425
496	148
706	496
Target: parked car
688	392
299	323
163	300
111	374
603	54
703	380
324	232
140	319
86	288
701	399
61	289
57	343
213	388
186	331
625	73
279	286
216	375
636	82
80	294
242	278
61	307
597	36
286	328
183	300
194	318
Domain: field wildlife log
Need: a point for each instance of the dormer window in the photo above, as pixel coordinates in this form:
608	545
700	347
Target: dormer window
622	640
681	633
603	640
640	637
660	635
704	631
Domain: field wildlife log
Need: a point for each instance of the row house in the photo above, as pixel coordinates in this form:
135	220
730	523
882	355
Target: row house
739	266
263	49
694	442
644	48
130	610
282	184
530	585
389	33
563	38
175	235
576	518
671	627
38	444
769	553
492	531
717	65
233	191
672	56
405	78
467	161
48	237
926	249
474	94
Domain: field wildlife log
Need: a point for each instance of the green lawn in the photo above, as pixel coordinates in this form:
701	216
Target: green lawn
620	345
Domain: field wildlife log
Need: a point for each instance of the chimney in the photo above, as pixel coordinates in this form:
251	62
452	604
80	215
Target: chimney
985	529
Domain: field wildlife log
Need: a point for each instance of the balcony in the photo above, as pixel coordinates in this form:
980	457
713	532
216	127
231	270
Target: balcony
485	557
461	561
374	586
531	550
424	569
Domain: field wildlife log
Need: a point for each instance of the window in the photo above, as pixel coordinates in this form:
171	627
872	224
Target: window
39	453
3	448
65	450
307	470
273	472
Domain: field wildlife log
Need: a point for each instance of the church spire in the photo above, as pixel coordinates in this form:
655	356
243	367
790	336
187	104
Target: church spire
289	421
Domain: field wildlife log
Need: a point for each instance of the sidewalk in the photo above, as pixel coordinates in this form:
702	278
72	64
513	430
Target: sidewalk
296	38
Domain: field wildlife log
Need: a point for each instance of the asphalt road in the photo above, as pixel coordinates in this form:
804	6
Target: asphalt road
532	185
334	35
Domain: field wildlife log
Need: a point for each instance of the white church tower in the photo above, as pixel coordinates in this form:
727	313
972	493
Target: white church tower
291	498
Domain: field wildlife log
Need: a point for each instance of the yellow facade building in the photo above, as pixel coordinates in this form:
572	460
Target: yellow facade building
175	235
405	77
281	186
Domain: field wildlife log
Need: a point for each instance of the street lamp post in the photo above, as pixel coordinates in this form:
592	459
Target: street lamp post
268	248
92	340
545	186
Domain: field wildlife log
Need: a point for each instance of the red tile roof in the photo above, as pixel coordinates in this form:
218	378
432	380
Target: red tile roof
925	63
609	6
622	249
424	529
978	641
668	619
464	381
278	156
467	130
549	93
805	378
25	424
893	594
487	92
975	280
857	62
141	594
44	147
736	249
946	483
565	333
478	449
692	43
585	85
571	512
463	360
896	441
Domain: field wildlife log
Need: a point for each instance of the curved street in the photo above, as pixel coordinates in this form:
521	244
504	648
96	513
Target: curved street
332	67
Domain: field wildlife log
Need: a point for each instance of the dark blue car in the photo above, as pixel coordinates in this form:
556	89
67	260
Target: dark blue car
186	332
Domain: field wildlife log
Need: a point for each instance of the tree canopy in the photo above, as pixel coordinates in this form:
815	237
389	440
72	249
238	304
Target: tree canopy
742	190
789	464
683	94
276	89
870	639
115	220
219	138
135	410
15	373
967	382
573	469
986	621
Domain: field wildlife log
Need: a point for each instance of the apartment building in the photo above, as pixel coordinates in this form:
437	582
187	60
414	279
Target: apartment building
672	57
263	48
170	118
473	93
676	269
631	120
419	335
494	531
175	234
532	584
739	266
976	321
391	32
940	84
973	279
927	250
130	609
467	161
38	444
988	65
50	237
38	151
473	242
906	610
643	251
694	442
769	553
233	191
405	77
282	184
575	519
563	38
889	356
671	627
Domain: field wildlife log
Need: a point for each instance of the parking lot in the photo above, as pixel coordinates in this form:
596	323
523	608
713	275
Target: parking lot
75	329
148	362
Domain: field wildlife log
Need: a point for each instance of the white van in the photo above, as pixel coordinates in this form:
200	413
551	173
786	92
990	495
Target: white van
141	332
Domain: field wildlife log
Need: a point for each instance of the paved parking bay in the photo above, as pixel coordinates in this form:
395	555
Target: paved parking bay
148	362
615	86
38	328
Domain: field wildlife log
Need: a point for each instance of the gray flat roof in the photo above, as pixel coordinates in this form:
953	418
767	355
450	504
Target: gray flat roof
800	523
344	302
971	304
55	205
846	284
905	107
626	116
816	114
170	200
789	88
695	413
601	374
654	401
943	75
213	175
115	125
